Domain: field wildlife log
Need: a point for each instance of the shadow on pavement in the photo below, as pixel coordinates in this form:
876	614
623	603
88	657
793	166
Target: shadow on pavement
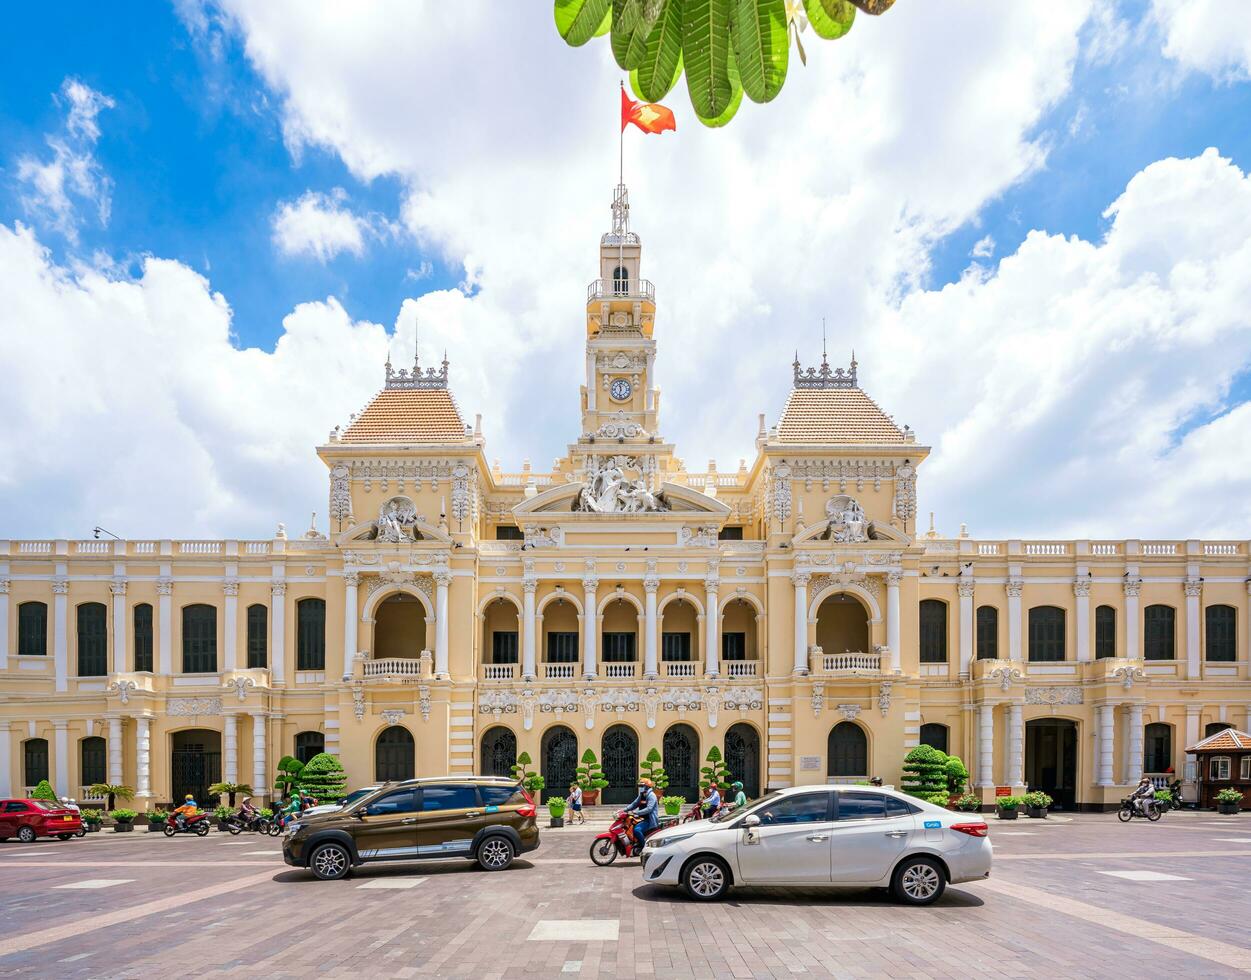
828	897
406	869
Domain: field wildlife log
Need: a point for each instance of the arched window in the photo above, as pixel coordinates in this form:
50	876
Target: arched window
394	755
933	631
1157	747
987	633
621	281
499	752
309	744
1105	632
310	637
847	750
1220	628
1214	728
742	757
93	642
258	635
142	617
1046	634
199	639
680	752
558	761
34	761
32	629
91	759
935	736
1159	637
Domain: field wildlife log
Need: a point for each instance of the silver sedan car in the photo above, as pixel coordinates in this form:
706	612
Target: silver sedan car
819	836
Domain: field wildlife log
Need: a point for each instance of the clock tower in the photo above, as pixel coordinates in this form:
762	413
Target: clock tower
620	399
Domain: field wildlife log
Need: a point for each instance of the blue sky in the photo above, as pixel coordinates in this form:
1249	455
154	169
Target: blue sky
332	174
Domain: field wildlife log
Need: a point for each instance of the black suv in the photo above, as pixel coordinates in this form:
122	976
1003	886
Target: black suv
486	819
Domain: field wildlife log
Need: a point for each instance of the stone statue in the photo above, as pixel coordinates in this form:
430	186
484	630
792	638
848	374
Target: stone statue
848	523
395	520
609	491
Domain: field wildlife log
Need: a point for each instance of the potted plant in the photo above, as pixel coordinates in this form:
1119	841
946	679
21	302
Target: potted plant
1007	807
556	809
92	819
532	782
230	789
1036	804
156	820
123	821
653	770
1228	801
925	774
220	814
715	771
672	805
112	792
590	778
969	803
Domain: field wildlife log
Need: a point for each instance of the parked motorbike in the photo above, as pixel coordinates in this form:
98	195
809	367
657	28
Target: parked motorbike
618	840
197	823
1131	808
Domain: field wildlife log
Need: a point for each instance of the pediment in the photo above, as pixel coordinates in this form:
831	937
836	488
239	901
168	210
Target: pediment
367	531
875	531
677	500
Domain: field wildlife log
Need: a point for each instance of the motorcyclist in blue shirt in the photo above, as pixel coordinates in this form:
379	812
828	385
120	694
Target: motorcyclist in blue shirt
647	808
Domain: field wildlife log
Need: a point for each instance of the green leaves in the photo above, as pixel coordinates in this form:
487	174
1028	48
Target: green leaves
710	81
577	21
661	63
831	19
632	23
758	34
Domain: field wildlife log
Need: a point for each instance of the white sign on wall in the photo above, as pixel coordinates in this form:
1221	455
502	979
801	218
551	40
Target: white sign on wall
809	763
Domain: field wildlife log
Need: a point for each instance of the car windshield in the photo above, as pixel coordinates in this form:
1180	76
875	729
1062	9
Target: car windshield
46	805
355	795
727	815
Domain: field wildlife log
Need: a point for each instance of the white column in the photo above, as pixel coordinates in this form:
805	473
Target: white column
278	631
800	580
6	760
1135	744
260	773
1132	648
351	616
590	627
1193	711
893	638
60	635
118	588
650	585
115	750
1194	589
143	757
651	380
1015	585
986	745
442	580
712	623
61	762
4	625
230	659
1081	589
591	387
965	588
230	746
529	644
1016	746
165	615
1107	743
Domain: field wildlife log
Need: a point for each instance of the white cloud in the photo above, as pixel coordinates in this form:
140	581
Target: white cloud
51	185
1209	36
984	248
319	225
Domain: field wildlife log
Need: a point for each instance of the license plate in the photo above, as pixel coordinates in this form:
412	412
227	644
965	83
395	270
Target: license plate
67	818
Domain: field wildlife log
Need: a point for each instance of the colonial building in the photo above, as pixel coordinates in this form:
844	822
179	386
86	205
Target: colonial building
788	612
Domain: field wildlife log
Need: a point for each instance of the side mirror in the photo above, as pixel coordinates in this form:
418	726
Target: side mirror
751	820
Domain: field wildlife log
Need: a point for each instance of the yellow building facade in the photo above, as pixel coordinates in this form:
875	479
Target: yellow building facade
789	613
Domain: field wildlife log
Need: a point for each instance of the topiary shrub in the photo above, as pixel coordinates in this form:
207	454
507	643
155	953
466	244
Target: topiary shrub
925	772
44	791
957	775
715	771
324	778
653	770
589	775
532	782
288	775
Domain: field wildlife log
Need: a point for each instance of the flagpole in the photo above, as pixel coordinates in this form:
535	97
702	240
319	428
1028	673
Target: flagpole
621	190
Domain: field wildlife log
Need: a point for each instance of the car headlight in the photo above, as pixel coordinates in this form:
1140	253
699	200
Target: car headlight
666	841
292	828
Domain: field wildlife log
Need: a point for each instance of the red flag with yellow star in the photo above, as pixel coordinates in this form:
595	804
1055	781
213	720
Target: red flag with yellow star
650	117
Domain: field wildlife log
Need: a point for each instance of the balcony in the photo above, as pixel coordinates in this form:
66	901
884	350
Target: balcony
500	672
404	668
560	672
619	670
626	289
681	668
740	668
850	663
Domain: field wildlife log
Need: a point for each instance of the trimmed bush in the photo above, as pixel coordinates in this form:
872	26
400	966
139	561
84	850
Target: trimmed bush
533	782
158	817
957	775
91	816
44	791
653	770
324	778
1228	795
288	775
924	772
556	807
1037	799
715	771
969	803
1008	802
589	776
124	816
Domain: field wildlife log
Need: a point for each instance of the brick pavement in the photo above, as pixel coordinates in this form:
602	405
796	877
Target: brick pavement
1048	909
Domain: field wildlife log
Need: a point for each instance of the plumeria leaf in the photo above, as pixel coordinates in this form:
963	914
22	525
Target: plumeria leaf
661	66
759	36
830	18
577	21
707	56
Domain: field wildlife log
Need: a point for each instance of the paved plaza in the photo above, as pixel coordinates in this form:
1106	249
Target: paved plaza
1080	896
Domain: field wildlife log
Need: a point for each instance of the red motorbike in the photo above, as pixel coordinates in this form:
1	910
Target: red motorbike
618	840
197	823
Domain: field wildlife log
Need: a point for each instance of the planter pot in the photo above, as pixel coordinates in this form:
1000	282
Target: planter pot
590	797
1007	814
557	822
1037	812
223	826
92	828
123	828
156	828
1229	809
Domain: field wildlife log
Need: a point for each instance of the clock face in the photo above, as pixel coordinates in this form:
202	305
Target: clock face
620	389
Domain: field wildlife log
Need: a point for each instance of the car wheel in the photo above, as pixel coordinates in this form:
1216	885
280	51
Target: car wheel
26	835
495	854
64	836
706	879
80	833
330	862
918	881
1125	814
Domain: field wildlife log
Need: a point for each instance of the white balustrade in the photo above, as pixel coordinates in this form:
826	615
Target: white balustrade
397	666
499	672
558	672
835	662
1105	548
1046	548
256	547
1220	549
143	547
34	547
199	547
679	668
739	668
1156	548
619	670
86	796
93	547
988	548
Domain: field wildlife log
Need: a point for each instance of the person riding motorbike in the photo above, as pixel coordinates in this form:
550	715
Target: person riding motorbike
1143	796
646	807
248	812
740	798
712	801
187	809
295	806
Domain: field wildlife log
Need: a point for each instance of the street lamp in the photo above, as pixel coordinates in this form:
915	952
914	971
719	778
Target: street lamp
98	530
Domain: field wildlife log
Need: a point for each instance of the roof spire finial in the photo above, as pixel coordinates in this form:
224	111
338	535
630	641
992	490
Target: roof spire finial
823	358
416	345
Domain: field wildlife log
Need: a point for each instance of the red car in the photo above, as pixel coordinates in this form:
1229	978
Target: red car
29	819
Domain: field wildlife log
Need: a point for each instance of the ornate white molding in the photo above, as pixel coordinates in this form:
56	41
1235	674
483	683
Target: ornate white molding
818	699
392	716
965	588
123	690
1081	587
1006	675
1193	587
1053	695
1132	587
278	588
230	587
1128	675
60	585
850	712
118	586
358	701
240	685
1014	587
883	697
193	707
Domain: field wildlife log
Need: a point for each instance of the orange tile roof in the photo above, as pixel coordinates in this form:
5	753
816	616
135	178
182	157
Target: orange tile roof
1230	740
835	415
407	415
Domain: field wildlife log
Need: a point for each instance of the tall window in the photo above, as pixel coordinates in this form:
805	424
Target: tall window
562	647
731	532
32	629
310	637
309	744
93	643
1220	626
258	636
987	633
620	280
618	647
199	639
34	761
1105	632
91	753
143	636
1157	747
1159	639
504	647
733	646
675	646
1214	728
507	532
935	736
1046	634
933	631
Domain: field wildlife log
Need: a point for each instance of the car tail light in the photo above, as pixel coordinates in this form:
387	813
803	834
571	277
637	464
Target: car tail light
529	810
972	829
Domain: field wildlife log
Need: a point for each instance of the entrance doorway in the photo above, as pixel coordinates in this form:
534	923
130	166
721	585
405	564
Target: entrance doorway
499	752
1051	759
559	762
395	755
620	749
742	757
195	764
680	751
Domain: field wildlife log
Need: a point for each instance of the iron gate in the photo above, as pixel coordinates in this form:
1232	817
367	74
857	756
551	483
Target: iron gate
681	762
560	762
742	758
621	764
192	770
